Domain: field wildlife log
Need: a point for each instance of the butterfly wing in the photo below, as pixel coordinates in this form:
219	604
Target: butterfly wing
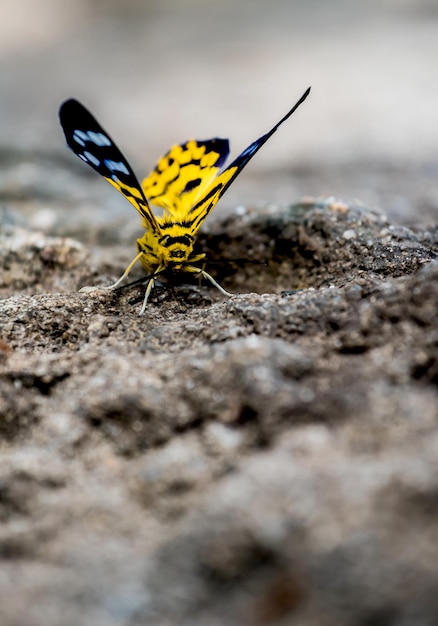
183	174
94	146
212	194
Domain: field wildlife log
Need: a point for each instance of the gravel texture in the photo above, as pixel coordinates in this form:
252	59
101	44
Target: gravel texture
268	458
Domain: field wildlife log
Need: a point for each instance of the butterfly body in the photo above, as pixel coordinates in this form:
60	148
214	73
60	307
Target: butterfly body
186	184
171	249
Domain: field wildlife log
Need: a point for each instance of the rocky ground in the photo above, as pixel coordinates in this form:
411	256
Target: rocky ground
268	458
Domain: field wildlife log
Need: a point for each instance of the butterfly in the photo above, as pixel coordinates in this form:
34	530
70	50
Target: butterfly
187	183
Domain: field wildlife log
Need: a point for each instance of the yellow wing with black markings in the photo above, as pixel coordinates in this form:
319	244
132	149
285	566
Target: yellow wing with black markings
183	174
218	186
188	181
93	145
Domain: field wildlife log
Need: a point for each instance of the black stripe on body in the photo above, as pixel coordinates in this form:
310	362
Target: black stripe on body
185	224
167	241
144	246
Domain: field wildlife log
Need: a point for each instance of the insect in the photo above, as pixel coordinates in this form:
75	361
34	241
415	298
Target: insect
187	183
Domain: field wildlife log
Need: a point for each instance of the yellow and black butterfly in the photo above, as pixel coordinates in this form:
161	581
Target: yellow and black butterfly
187	182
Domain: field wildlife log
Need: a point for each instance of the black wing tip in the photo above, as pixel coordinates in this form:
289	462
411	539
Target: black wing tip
293	109
70	102
69	106
215	143
305	94
219	145
303	97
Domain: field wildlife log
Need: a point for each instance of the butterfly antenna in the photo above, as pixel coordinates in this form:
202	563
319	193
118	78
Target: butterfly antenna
139	281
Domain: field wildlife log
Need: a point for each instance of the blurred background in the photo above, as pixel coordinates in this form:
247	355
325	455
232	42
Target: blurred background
156	72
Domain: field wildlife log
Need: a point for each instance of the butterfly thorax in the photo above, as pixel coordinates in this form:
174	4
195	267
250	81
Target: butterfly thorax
171	248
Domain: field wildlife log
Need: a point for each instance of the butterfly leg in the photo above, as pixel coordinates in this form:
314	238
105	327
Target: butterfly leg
150	286
125	273
204	274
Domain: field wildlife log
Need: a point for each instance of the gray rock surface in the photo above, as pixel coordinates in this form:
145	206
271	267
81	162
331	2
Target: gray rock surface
265	459
270	458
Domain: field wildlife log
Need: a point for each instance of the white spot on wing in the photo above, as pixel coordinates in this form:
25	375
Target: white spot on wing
250	149
98	138
80	137
116	166
91	159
